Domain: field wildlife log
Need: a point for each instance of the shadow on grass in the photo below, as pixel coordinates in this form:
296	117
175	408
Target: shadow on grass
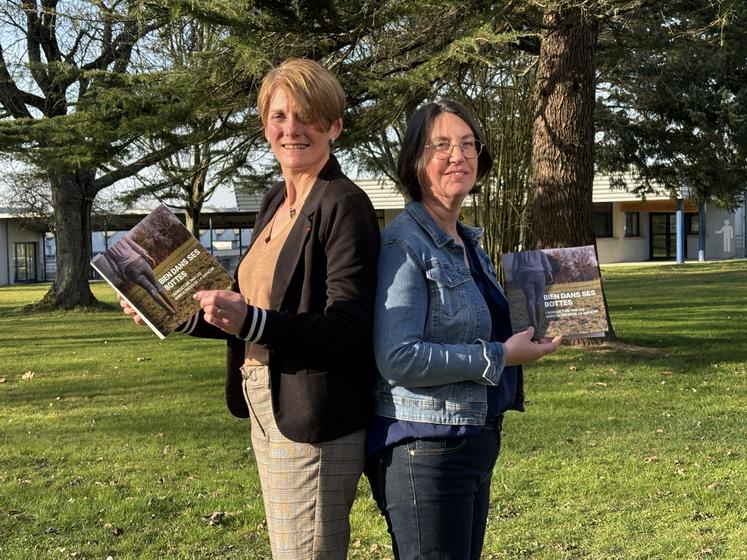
43	306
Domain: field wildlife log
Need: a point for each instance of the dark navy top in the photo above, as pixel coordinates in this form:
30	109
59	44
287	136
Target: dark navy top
384	431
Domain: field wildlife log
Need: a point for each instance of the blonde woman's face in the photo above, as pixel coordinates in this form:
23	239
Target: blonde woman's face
297	146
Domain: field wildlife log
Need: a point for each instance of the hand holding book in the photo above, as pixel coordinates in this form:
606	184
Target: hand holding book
224	309
156	267
521	349
129	310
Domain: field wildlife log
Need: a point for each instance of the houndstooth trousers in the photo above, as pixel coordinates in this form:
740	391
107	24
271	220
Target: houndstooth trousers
307	489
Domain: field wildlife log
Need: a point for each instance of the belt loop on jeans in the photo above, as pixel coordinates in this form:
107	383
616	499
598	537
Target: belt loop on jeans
495	423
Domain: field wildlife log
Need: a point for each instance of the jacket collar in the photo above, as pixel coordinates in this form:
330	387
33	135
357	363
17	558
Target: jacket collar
329	172
276	195
439	236
295	244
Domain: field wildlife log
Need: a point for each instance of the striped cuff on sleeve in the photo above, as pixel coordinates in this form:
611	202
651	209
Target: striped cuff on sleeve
188	326
254	324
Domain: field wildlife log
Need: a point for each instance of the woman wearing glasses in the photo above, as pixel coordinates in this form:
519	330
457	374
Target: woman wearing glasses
449	365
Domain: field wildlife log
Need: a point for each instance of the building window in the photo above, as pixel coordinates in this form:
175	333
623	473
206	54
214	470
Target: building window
602	219
24	262
692	224
632	224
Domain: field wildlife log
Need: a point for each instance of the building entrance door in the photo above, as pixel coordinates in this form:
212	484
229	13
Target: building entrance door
663	238
25	262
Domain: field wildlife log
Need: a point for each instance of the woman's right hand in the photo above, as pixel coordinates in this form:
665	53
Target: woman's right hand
224	309
521	349
129	310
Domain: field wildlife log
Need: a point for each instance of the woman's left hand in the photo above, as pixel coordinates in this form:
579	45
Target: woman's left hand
522	349
225	309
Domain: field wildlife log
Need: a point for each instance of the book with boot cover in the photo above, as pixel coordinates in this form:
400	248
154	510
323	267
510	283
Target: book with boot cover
157	267
556	291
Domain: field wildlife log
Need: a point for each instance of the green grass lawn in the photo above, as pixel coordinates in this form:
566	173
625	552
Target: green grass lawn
120	445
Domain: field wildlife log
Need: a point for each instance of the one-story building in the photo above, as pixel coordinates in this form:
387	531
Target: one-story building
631	229
628	229
27	253
21	250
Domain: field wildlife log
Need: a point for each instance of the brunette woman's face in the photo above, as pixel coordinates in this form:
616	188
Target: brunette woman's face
297	146
447	182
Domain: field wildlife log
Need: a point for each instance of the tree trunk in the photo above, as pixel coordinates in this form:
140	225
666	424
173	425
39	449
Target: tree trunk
72	196
192	219
560	213
563	133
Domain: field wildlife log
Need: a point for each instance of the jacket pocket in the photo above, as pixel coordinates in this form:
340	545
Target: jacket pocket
446	287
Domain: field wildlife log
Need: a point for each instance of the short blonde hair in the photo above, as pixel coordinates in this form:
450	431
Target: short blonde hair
315	90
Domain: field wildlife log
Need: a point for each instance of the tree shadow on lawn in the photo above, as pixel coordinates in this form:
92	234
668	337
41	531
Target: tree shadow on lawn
32	309
116	386
690	355
156	421
61	323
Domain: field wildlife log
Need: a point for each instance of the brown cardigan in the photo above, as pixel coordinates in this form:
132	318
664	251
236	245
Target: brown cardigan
319	333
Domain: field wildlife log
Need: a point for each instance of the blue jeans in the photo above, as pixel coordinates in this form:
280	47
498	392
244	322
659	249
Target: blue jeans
435	495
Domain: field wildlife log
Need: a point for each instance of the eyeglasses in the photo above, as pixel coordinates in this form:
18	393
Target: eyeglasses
442	150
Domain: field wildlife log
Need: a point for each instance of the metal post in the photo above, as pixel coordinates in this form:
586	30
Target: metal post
7	247
210	225
44	256
680	230
702	232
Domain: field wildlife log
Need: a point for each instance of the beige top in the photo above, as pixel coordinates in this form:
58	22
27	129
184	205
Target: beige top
256	272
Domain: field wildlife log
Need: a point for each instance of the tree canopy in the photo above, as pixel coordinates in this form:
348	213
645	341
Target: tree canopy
90	96
673	100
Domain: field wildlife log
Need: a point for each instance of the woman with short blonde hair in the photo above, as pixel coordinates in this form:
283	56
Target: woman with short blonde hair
299	319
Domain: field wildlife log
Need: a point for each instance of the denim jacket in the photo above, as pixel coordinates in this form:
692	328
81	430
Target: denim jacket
432	326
